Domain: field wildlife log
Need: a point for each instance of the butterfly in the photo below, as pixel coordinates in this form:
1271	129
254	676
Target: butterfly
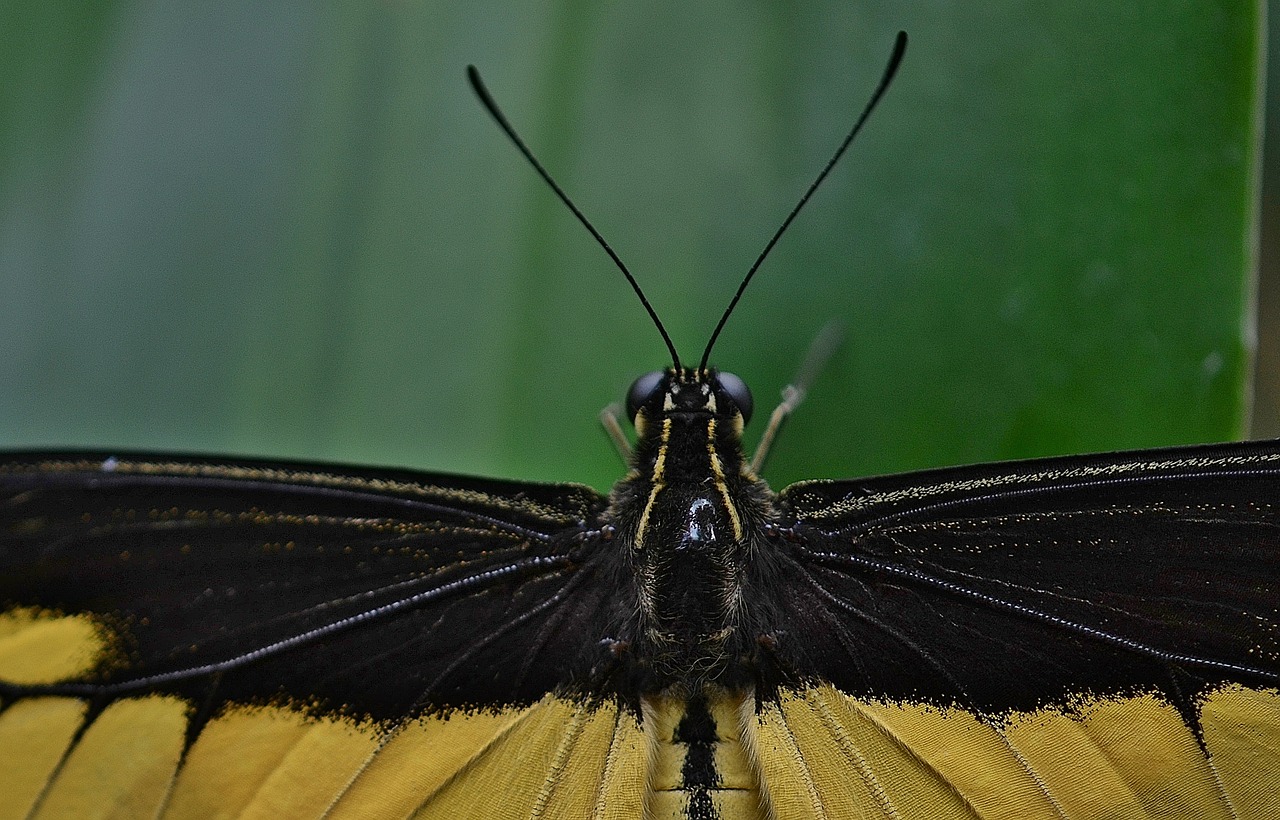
1078	637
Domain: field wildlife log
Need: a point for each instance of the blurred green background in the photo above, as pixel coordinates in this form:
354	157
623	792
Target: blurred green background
287	229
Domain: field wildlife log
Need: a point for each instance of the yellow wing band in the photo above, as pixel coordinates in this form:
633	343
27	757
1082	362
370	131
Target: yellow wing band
814	753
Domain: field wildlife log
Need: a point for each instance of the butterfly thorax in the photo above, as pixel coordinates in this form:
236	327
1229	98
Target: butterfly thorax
685	515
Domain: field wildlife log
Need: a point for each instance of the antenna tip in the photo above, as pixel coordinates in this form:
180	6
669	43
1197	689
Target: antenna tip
477	84
899	48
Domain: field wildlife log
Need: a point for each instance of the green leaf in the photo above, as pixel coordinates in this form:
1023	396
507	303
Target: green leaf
288	230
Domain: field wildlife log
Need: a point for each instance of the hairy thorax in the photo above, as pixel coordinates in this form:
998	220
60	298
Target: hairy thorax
687	544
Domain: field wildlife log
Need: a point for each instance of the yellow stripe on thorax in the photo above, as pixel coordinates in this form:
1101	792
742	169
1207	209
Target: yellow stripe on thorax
659	482
717	474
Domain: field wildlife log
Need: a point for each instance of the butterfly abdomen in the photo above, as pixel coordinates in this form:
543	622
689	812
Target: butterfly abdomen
699	764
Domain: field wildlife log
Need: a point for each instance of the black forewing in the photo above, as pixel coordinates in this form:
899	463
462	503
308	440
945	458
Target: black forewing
379	592
1007	586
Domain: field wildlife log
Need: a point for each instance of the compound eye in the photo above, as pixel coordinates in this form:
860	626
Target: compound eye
737	390
642	389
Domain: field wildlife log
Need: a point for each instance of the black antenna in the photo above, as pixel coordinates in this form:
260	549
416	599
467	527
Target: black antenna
899	48
477	85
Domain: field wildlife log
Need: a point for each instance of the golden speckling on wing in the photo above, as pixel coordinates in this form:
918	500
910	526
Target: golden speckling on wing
234	472
923	493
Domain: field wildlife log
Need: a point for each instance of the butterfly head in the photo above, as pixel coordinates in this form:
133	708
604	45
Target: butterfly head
687	392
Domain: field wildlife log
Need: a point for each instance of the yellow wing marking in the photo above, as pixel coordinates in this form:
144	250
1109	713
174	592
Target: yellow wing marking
792	790
819	753
967	754
124	764
821	717
555	759
415	762
40	648
1242	730
622	787
1125	757
825	755
268	762
34	736
544	761
854	765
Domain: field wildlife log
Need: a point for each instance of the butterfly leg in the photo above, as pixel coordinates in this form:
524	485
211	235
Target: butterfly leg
821	349
609	420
